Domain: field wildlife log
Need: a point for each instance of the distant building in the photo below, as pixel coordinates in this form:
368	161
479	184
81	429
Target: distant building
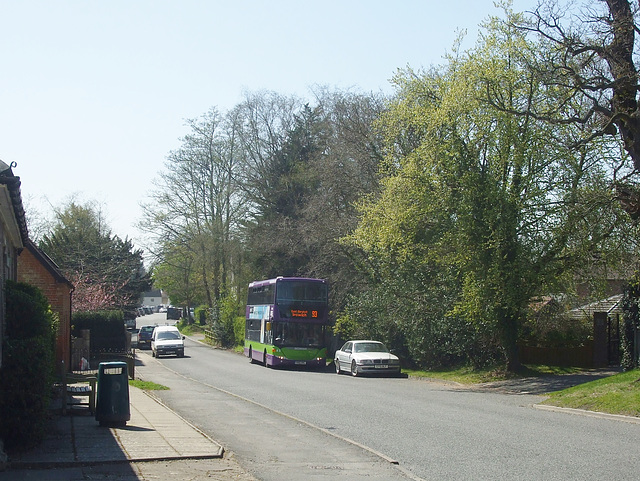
155	298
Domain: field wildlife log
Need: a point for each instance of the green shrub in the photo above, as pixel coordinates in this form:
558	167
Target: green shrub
27	370
28	312
417	322
557	331
223	321
200	314
238	329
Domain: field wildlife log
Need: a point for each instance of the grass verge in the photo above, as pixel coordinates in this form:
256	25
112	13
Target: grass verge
189	329
469	375
617	394
147	385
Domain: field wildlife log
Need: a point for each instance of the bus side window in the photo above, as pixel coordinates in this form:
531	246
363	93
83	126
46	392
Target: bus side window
253	330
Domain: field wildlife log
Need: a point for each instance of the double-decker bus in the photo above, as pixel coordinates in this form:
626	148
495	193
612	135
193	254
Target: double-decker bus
286	320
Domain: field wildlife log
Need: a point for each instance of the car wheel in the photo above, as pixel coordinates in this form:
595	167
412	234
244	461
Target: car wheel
354	368
153	353
337	363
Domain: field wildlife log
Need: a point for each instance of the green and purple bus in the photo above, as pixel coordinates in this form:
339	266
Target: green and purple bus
286	322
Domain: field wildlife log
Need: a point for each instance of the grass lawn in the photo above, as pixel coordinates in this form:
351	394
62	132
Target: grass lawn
618	394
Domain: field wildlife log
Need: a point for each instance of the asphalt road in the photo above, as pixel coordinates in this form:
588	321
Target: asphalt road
293	424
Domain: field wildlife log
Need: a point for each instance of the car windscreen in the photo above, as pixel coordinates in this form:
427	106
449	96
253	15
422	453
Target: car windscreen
167	335
369	347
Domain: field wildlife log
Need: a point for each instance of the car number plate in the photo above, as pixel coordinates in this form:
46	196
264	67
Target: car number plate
301	362
382	366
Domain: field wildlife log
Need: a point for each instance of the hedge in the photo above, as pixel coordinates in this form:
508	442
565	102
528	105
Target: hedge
27	373
107	329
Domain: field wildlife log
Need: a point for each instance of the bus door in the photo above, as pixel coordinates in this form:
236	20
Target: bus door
266	332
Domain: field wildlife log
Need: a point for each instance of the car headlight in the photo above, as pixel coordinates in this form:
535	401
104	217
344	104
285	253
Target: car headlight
366	361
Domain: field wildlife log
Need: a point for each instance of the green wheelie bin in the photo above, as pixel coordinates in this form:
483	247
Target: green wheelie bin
112	399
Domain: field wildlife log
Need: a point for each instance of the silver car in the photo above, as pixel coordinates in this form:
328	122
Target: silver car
360	357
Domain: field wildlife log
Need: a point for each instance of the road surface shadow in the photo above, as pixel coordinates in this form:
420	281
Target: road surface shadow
543	384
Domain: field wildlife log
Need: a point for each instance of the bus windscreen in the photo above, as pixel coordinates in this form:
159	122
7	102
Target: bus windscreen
301	291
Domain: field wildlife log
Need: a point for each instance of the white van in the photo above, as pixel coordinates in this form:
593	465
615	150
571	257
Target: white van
167	340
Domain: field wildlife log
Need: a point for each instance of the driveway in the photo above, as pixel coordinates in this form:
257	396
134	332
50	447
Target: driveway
544	384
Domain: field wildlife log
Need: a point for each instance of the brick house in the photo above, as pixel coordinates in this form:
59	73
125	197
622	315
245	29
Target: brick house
35	267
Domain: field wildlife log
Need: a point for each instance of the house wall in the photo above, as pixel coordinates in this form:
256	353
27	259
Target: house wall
8	255
2	299
32	271
154	298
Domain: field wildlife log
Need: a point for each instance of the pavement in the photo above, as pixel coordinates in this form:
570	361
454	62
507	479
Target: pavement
155	444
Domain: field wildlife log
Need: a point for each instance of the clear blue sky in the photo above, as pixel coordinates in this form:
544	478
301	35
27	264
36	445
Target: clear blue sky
94	94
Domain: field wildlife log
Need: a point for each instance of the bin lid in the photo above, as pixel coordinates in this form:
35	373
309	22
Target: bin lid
113	364
115	367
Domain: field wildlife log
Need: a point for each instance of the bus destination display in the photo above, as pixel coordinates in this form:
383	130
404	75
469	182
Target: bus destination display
303	313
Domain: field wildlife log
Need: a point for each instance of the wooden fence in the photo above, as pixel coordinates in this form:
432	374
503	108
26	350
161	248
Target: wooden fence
559	356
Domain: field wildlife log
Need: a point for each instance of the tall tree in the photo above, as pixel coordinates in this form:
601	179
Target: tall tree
179	275
589	57
346	170
268	189
264	119
107	272
277	236
197	204
269	175
499	201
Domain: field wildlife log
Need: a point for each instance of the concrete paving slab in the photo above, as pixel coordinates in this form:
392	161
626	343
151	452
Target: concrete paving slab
154	432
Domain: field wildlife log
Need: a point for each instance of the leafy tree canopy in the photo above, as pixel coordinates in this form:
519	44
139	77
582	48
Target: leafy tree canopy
107	272
496	206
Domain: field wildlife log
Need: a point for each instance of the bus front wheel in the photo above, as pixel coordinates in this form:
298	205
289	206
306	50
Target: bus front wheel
251	356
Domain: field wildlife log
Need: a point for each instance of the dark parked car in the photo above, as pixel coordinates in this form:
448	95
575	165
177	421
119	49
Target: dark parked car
174	313
144	337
